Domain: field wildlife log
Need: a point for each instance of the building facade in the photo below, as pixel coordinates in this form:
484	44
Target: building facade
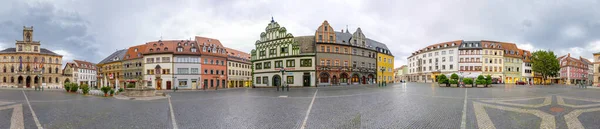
385	72
527	72
110	69
596	69
133	68
470	61
512	63
402	73
422	64
572	70
493	60
186	65
214	65
239	69
28	65
80	72
275	47
158	64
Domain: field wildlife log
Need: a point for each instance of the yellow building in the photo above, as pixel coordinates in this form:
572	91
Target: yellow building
28	65
385	63
493	56
110	70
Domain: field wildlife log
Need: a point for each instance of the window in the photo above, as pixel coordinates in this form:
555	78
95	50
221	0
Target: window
305	63
290	79
182	83
179	49
290	63
337	49
266	80
328	49
257	80
346	63
346	51
182	71
262	53
279	64
267	65
258	66
322	48
272	52
284	50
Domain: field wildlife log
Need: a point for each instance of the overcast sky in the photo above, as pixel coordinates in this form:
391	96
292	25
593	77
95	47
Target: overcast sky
93	29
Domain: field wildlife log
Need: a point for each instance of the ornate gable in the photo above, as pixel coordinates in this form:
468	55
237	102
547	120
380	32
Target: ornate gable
325	33
358	38
275	42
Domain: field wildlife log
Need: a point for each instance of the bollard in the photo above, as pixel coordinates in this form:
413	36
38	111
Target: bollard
288	87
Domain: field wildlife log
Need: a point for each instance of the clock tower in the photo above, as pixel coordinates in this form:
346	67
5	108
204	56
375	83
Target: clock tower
27	44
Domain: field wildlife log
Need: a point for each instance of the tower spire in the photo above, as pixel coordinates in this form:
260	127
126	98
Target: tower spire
272	20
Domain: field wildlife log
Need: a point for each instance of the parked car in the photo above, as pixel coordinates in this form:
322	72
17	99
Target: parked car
520	83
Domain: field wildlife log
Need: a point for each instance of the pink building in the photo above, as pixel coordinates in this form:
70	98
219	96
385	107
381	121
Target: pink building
572	70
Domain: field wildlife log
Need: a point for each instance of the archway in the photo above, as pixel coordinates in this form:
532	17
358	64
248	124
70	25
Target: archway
371	78
334	80
355	79
344	78
67	80
364	80
28	82
36	81
324	77
20	80
276	80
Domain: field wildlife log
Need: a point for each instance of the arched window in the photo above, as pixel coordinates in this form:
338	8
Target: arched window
12	80
4	79
154	45
56	61
12	69
166	49
151	50
56	80
161	44
157	49
55	70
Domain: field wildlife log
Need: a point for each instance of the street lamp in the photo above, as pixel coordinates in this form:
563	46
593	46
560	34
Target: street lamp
381	83
282	70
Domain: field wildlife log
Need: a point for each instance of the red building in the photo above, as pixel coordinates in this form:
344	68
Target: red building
213	61
572	70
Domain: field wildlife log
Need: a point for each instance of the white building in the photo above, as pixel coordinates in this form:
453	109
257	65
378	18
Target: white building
158	65
85	72
470	60
425	64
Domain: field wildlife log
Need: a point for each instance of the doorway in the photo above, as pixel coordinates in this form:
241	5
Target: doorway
28	82
168	85
158	84
306	79
276	80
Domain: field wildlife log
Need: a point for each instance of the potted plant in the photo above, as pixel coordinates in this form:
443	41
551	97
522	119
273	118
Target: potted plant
105	89
85	89
130	85
488	80
112	92
443	80
480	80
454	77
468	81
121	89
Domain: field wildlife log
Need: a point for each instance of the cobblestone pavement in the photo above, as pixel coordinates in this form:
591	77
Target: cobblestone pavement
411	105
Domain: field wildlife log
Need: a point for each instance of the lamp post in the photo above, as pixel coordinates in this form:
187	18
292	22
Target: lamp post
381	83
282	70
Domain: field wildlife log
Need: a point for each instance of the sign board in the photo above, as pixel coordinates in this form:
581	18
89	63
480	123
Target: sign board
43	84
286	69
290	73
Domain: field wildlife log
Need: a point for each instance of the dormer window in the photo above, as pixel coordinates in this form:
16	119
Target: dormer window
445	45
157	49
161	44
135	50
185	44
178	44
166	49
154	45
180	49
453	44
151	50
193	50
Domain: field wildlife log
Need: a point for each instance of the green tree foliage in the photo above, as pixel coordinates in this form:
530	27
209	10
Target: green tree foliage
468	81
105	89
488	80
85	89
454	77
442	79
545	63
74	87
480	80
67	86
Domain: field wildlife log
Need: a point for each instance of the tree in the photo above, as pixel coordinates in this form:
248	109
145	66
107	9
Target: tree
468	81
488	80
545	63
454	77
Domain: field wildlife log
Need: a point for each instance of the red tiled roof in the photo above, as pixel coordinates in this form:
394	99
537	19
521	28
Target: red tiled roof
132	54
84	65
211	43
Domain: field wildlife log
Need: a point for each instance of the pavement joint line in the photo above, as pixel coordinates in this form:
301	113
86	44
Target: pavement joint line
463	121
37	122
172	114
308	111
